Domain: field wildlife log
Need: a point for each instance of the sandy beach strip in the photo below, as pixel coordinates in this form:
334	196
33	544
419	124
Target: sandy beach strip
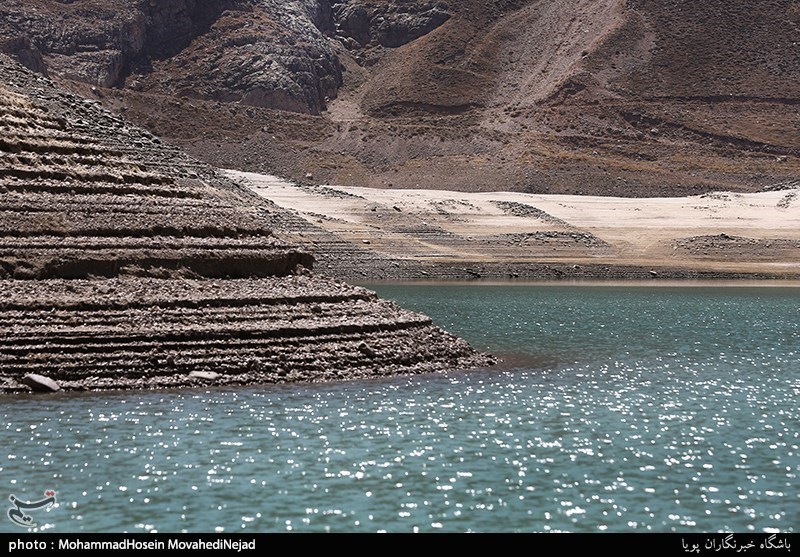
722	233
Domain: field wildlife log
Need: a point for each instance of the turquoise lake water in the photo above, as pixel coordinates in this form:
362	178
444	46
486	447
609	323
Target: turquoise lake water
617	409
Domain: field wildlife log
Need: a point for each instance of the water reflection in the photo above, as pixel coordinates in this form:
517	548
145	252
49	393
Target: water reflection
693	429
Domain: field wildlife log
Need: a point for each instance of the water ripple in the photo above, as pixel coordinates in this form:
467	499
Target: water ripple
688	426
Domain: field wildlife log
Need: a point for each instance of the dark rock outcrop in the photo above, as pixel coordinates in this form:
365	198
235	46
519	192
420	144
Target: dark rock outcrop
22	49
260	52
265	53
86	41
387	24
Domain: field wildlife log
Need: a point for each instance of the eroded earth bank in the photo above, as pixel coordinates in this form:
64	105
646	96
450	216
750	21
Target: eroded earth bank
124	263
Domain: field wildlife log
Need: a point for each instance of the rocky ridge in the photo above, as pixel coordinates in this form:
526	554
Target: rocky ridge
124	263
628	98
262	53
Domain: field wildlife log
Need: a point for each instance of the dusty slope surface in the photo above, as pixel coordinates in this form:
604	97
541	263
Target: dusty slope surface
124	263
446	234
609	97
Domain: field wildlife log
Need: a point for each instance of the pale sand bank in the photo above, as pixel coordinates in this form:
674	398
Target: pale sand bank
725	233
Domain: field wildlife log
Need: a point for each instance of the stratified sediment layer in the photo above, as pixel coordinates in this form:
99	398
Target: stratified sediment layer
144	332
124	263
84	194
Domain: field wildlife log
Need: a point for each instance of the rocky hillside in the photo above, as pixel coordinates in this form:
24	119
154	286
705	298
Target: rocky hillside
124	263
624	97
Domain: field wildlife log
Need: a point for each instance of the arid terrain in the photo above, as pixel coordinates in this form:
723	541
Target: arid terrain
126	264
444	234
368	139
628	98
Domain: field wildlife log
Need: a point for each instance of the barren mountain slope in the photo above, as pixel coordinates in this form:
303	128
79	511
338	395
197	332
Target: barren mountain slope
623	97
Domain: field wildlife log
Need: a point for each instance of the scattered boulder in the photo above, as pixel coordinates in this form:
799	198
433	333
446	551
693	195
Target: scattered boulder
206	375
367	350
40	383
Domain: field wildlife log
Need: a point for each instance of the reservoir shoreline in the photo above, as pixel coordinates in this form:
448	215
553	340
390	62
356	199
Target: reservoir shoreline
616	392
360	234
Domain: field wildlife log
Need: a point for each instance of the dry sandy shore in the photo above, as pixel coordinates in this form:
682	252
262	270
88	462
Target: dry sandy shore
423	232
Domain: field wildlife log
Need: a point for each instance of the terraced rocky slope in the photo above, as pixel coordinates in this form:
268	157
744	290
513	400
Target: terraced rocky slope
124	263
